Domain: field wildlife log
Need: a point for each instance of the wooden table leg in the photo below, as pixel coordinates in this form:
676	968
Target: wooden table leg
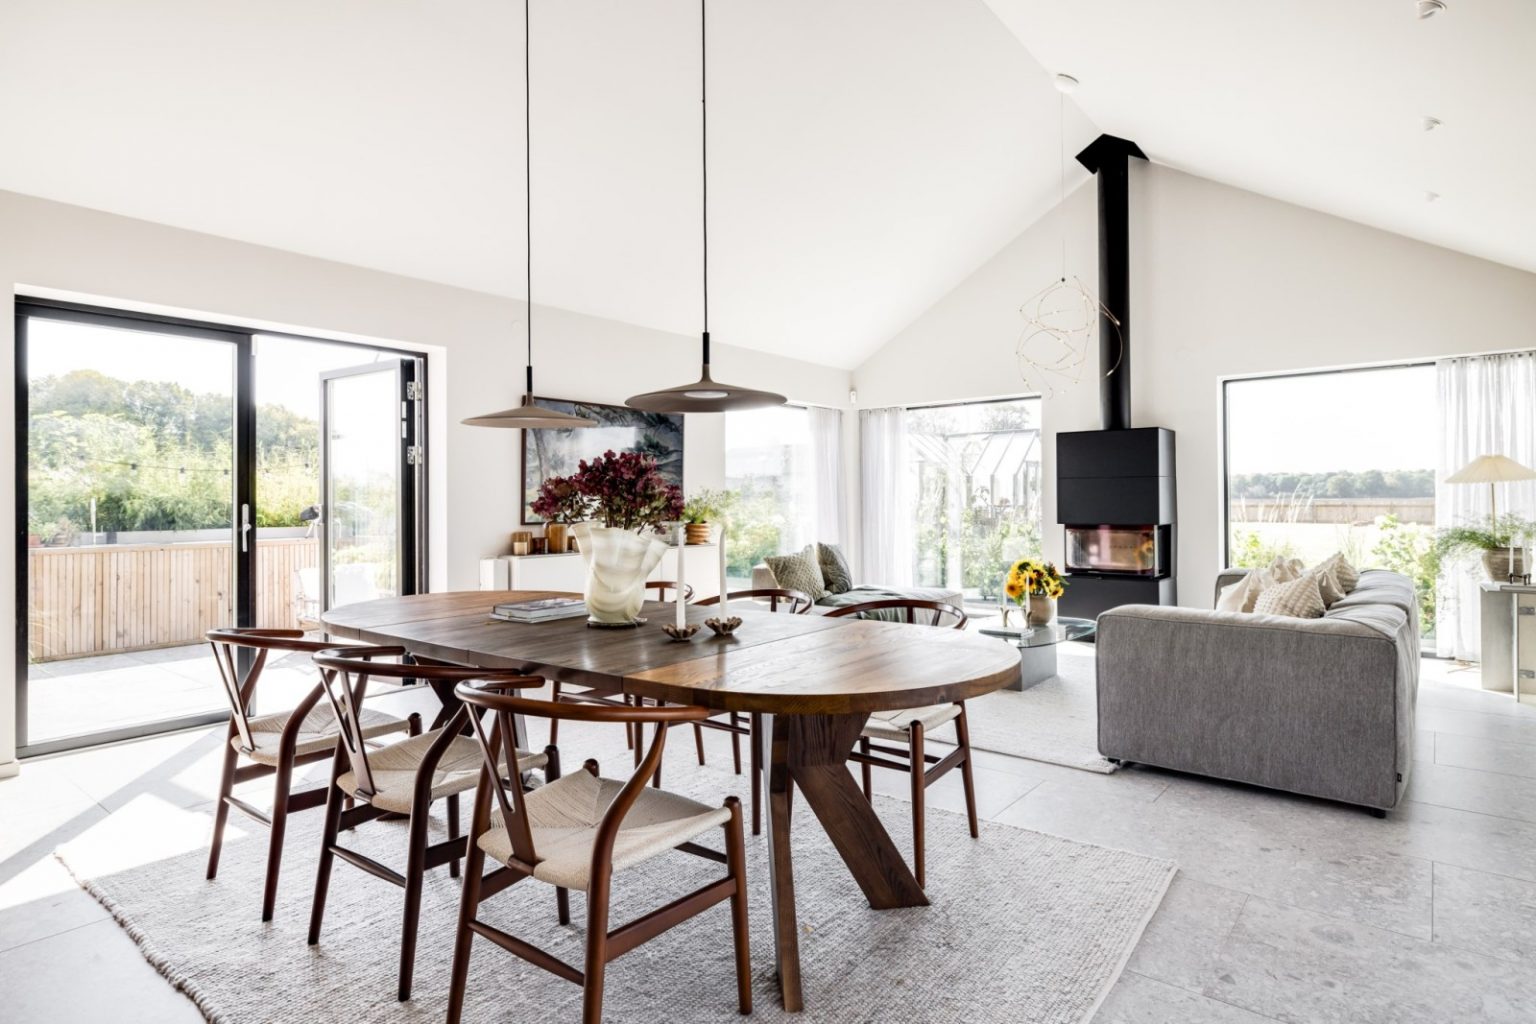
811	752
818	750
777	786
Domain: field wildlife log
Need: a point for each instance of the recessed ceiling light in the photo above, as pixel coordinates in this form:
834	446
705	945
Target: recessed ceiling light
1065	83
1429	8
1430	123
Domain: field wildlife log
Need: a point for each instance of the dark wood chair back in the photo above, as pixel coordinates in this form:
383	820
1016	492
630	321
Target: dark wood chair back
798	601
344	674
662	586
498	744
240	688
939	609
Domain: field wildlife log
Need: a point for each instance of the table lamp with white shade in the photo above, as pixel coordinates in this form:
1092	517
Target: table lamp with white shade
1491	470
1494	470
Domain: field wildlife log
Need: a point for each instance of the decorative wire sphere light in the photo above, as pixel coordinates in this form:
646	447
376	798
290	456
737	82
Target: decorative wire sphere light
1058	331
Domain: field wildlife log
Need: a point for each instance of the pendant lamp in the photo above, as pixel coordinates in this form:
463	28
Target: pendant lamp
705	394
1059	319
529	415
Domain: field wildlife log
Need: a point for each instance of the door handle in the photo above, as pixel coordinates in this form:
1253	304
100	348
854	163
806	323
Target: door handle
245	527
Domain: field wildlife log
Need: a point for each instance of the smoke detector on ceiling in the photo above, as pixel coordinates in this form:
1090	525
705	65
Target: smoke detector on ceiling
1065	83
1429	8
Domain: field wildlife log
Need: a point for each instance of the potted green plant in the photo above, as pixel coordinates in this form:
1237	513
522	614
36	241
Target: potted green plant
1496	544
701	511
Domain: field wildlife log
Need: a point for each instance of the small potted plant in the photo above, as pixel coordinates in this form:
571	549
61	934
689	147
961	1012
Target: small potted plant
701	511
1498	544
1034	586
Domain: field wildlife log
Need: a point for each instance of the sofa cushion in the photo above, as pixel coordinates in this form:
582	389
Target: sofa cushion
1299	598
1337	566
1284	570
1244	594
1328	584
835	570
800	572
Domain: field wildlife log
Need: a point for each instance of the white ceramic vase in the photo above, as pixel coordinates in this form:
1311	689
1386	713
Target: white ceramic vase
617	561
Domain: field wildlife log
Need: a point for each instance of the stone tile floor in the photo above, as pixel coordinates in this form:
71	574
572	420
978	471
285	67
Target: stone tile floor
1285	908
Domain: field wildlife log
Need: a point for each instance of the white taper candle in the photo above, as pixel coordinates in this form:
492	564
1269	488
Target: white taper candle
724	588
677	595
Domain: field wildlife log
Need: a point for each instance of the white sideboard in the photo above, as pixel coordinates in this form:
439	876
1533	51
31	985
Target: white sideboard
701	568
1505	605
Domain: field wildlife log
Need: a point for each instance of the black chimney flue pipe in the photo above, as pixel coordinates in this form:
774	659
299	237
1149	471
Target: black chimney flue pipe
1109	157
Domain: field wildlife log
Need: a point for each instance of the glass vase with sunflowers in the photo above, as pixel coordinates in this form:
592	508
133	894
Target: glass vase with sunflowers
1034	586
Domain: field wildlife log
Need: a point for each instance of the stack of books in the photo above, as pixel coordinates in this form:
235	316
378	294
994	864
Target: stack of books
540	611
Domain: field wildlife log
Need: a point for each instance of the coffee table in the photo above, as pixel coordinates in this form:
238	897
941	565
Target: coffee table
1037	647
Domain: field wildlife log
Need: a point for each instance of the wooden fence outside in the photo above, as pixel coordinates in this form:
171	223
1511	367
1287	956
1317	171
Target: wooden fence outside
133	597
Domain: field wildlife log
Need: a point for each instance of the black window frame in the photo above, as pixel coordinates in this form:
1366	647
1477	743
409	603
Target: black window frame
243	338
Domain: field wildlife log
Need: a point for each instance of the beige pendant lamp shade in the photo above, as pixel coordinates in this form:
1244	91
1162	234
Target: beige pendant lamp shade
705	394
529	414
1490	470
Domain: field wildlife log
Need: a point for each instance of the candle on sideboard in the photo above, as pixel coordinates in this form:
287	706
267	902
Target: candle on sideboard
724	589
677	595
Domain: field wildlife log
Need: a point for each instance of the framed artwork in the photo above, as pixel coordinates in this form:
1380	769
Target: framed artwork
548	453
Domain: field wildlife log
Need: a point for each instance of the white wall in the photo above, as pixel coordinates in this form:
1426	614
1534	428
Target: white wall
1224	283
473	340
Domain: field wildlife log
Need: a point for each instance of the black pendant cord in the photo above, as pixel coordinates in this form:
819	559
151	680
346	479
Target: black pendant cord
528	184
704	158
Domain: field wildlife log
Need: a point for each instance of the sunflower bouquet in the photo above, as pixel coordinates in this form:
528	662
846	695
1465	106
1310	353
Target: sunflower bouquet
1030	578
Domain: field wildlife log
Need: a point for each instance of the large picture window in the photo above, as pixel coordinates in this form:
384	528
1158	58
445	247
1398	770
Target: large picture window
1338	461
973	480
769	463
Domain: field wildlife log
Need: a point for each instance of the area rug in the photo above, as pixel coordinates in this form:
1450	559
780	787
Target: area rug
1055	721
1023	927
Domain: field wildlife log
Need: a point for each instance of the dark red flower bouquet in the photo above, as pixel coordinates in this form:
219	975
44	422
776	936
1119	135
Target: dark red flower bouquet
560	501
623	489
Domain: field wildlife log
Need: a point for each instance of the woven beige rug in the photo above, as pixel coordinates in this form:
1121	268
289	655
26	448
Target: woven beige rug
1023	927
1055	721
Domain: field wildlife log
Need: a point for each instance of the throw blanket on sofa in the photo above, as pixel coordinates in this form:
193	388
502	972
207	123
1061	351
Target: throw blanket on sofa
859	595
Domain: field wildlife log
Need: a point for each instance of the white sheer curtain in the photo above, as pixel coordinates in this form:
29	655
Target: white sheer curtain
886	524
1487	406
827	458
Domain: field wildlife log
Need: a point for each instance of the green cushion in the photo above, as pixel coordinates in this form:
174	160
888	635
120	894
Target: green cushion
835	570
800	572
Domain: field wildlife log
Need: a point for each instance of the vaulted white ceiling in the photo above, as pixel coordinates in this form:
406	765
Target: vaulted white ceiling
865	154
1320	103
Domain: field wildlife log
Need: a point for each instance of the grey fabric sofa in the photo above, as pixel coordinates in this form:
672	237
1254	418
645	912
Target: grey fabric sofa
1323	707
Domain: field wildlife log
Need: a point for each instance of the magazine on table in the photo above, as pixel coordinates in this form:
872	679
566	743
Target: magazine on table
540	610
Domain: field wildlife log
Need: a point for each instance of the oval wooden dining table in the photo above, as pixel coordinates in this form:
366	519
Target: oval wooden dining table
815	681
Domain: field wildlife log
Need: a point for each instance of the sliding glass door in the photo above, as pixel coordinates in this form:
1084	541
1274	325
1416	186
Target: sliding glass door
171	479
133	502
369	490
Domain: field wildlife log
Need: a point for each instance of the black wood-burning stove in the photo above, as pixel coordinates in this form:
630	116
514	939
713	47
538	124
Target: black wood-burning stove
1115	493
1115	497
